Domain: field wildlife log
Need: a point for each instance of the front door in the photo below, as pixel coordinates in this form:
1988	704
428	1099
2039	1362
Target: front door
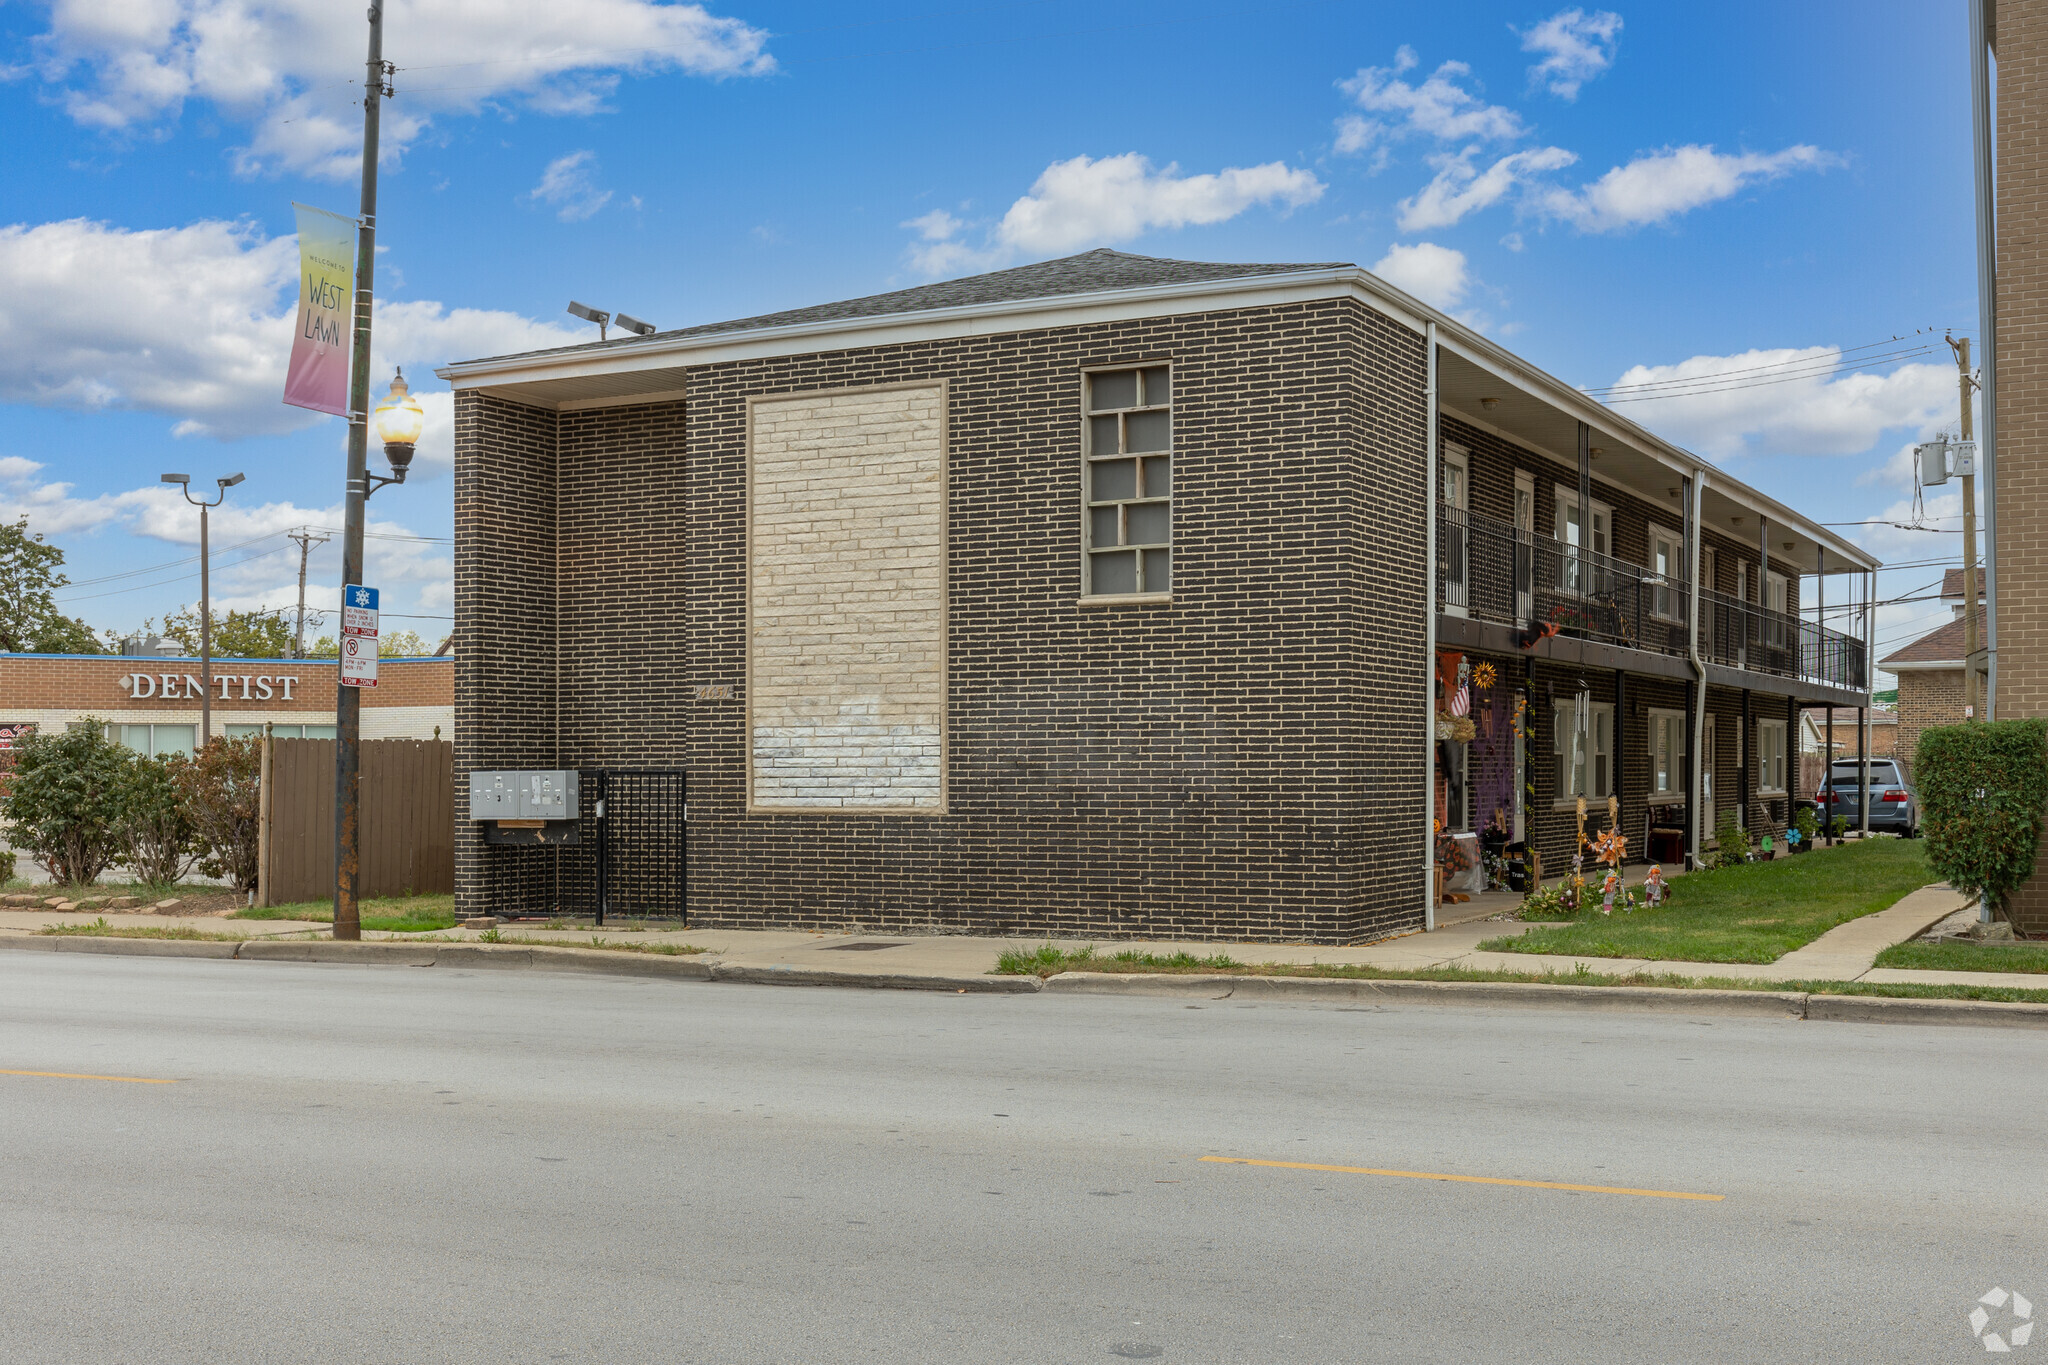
1456	591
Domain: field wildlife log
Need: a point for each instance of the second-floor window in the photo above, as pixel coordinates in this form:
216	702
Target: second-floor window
1666	558
1129	492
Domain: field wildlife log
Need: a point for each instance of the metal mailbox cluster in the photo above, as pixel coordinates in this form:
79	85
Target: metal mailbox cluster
528	794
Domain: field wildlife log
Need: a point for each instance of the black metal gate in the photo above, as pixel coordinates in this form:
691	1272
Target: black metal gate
629	862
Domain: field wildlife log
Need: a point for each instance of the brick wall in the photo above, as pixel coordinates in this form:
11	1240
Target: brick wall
1245	760
98	686
2022	111
1927	697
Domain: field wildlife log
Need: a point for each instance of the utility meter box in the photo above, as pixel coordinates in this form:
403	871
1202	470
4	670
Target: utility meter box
1963	459
527	806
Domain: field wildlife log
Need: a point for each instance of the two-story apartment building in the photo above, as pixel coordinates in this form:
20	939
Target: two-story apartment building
1112	595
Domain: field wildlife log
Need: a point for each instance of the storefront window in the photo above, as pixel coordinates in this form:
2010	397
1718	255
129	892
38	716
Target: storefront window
157	740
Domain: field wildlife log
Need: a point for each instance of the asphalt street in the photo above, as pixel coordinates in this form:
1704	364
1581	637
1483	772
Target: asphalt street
407	1165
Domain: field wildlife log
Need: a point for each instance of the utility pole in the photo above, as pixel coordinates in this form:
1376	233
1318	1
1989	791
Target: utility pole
1973	707
305	540
348	708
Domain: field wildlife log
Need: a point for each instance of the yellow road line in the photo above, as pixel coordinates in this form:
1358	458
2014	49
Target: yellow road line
1465	1179
73	1076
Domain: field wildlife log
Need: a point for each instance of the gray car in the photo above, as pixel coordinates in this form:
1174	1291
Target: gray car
1894	805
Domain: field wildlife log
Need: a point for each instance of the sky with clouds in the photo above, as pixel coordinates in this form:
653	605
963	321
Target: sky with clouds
1675	200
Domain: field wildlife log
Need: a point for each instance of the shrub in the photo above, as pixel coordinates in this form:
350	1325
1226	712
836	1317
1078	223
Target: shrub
1807	823
6	868
220	788
61	801
157	839
1982	790
1733	840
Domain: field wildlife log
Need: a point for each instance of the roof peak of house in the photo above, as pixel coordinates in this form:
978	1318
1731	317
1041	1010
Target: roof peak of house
1088	272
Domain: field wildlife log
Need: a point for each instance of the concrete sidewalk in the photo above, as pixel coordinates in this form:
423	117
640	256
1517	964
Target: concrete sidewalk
1845	953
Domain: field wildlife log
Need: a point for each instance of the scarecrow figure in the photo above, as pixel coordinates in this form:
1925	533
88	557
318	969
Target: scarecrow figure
1654	889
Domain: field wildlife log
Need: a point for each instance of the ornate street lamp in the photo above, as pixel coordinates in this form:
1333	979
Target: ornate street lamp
398	421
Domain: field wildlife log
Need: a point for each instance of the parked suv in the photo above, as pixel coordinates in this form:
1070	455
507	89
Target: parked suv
1894	805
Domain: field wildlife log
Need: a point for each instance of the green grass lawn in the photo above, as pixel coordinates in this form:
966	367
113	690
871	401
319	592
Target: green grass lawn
387	914
1966	957
1755	913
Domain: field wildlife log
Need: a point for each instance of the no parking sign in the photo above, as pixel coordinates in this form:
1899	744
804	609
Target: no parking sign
358	636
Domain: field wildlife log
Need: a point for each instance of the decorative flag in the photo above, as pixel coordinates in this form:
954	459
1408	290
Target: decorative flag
318	377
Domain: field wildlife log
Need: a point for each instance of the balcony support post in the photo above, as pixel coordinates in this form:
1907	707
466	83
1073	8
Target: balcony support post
1695	488
1429	605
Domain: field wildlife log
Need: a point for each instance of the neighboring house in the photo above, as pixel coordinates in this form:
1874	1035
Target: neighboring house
1097	597
1930	674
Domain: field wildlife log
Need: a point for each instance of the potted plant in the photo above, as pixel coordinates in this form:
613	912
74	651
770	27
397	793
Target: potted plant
1806	825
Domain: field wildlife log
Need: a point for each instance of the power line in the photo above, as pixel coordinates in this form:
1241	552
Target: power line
1610	400
1770	365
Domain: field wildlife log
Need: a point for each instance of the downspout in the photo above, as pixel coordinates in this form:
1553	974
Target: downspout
1695	489
1429	641
1982	135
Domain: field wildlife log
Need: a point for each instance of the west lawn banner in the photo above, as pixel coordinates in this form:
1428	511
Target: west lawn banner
318	378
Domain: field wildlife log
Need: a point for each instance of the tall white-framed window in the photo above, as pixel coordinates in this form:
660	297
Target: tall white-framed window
1128	482
1667	563
1579	533
1667	755
1525	546
1770	757
1453	547
1582	743
1775	597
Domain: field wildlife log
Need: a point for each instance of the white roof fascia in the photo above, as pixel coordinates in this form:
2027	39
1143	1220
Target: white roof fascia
888	329
1115	305
1922	666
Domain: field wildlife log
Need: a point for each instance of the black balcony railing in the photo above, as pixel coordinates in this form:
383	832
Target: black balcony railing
1488	570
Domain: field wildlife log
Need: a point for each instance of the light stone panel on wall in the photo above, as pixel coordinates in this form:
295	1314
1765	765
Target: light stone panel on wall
846	600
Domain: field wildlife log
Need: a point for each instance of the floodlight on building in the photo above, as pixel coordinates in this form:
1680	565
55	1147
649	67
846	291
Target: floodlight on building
634	325
399	420
589	314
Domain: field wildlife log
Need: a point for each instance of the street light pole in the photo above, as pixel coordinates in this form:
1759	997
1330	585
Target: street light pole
348	716
184	482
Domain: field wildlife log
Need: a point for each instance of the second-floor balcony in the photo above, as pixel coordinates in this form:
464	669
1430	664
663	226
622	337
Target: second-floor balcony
1490	571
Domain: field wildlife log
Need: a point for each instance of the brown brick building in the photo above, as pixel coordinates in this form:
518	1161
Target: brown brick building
2020	40
1112	595
152	704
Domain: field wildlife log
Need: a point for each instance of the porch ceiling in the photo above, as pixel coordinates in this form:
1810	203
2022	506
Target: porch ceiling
1629	458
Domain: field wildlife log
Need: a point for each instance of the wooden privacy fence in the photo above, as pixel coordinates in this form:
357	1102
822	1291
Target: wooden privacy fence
408	820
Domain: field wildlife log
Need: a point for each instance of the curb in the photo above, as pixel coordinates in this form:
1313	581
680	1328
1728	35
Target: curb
1307	990
1847	1009
1880	1009
824	976
125	947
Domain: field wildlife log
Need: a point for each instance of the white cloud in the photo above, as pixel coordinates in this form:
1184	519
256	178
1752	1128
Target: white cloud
1435	274
568	186
195	323
1675	180
49	506
1723	407
291	69
1438	108
1457	189
1576	47
1086	202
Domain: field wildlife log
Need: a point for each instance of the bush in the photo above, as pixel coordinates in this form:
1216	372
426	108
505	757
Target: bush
220	785
1982	790
157	839
1733	840
6	868
62	801
1807	823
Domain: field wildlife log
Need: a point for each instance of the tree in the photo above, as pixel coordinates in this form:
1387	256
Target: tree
237	635
62	800
1983	788
221	786
29	577
391	644
158	842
